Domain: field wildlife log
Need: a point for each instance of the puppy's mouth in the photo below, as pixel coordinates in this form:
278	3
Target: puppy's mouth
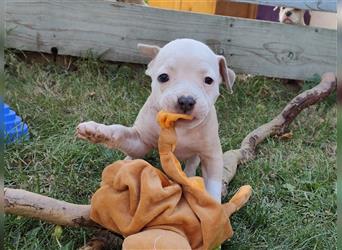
195	121
188	123
198	113
287	21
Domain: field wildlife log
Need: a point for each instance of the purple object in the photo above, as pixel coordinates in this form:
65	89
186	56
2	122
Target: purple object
267	13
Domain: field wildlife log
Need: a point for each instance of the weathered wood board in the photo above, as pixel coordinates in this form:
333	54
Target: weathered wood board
113	30
319	5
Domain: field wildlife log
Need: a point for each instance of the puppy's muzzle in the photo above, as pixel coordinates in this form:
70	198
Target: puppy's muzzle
186	103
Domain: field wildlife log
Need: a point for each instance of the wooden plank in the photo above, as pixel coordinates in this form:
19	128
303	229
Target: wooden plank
228	8
113	30
319	5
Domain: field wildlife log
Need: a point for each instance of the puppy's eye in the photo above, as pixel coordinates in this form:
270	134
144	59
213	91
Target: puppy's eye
208	80
283	8
163	78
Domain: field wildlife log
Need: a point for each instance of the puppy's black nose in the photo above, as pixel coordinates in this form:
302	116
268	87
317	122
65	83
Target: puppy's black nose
186	103
288	13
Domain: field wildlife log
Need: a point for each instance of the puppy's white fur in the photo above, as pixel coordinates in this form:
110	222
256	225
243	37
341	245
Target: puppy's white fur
296	17
187	63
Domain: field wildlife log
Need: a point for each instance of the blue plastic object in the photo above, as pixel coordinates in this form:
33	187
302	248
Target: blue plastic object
13	128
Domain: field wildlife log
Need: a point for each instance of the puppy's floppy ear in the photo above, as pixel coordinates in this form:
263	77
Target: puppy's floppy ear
151	51
148	50
228	75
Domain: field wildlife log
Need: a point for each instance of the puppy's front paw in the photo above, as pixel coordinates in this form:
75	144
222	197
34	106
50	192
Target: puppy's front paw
93	132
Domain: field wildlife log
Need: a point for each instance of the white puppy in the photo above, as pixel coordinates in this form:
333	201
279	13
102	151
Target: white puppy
186	75
291	15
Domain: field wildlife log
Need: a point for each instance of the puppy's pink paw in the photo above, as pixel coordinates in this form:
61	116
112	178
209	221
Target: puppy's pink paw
93	132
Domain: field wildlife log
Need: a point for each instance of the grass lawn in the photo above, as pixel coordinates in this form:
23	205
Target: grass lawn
294	201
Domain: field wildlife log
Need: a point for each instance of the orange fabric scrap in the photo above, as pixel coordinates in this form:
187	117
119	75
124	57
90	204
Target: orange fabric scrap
156	210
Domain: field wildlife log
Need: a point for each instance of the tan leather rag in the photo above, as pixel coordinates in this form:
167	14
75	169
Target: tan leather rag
153	210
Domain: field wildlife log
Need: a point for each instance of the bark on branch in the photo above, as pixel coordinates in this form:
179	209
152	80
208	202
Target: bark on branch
277	126
25	203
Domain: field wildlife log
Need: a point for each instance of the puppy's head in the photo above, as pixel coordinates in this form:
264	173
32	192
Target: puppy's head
291	15
186	75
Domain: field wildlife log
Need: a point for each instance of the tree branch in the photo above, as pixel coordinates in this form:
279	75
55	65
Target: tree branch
277	126
25	203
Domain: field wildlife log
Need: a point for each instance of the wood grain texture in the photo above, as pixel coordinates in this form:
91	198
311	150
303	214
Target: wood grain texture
319	5
113	30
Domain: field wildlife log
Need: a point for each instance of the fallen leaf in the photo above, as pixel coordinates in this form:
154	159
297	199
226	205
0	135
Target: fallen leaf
57	232
286	136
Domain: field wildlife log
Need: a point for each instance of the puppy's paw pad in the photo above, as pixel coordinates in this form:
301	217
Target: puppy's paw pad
90	131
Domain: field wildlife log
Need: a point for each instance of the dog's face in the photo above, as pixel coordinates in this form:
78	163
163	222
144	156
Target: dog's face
186	75
291	15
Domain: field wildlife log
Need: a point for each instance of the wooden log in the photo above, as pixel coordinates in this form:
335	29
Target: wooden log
25	203
277	126
319	5
113	30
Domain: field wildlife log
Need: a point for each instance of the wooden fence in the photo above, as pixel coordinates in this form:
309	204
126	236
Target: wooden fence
112	30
